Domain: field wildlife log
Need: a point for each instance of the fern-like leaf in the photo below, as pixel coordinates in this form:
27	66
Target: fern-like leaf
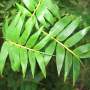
37	32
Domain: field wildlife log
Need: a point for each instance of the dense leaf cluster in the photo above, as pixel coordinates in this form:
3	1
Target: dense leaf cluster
37	33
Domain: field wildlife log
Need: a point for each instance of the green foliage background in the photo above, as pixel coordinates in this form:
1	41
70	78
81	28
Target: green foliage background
13	81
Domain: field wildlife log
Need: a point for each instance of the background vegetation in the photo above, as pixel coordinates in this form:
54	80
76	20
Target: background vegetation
13	81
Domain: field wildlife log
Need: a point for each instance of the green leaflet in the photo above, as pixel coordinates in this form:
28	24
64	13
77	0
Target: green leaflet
69	29
40	13
14	21
52	6
23	10
60	54
83	51
30	4
85	55
11	54
58	27
76	37
49	17
14	57
49	51
24	60
5	26
37	25
28	28
32	40
68	64
19	26
12	28
76	69
32	62
45	12
41	62
3	56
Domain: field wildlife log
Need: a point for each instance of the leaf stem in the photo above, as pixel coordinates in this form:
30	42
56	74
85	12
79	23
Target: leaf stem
20	46
66	48
37	7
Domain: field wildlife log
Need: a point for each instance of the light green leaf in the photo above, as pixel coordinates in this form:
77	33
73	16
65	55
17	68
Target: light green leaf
69	29
28	28
14	57
53	7
12	28
49	51
58	27
76	69
32	62
76	37
24	60
41	62
41	13
3	56
83	51
5	27
68	64
18	27
49	17
60	54
32	40
11	54
23	10
30	4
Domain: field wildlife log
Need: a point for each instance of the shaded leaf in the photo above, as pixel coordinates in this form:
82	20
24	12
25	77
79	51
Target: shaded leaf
83	51
76	69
